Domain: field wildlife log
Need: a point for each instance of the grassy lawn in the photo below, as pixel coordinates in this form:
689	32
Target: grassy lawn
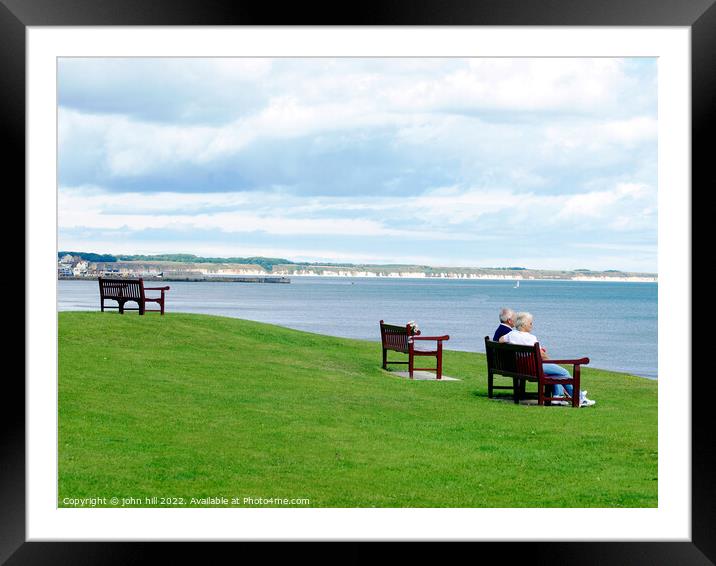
200	406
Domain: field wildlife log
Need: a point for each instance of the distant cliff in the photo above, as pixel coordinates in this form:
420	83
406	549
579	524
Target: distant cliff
153	265
425	272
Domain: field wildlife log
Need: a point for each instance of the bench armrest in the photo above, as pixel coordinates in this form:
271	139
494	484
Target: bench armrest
156	288
438	338
580	361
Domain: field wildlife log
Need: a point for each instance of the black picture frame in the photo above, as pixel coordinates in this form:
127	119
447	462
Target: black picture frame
17	15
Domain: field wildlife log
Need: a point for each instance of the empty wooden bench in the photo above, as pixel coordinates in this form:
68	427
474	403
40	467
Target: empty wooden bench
402	339
523	364
129	291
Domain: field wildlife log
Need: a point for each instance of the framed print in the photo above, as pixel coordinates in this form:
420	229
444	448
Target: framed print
83	60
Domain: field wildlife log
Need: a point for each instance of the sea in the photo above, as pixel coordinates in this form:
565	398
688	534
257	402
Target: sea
612	323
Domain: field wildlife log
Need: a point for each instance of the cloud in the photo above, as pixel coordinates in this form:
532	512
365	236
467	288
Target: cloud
598	204
195	90
93	209
331	149
529	84
445	213
594	136
167	90
121	119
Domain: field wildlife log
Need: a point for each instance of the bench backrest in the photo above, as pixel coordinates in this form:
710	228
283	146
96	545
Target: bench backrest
513	360
131	289
395	337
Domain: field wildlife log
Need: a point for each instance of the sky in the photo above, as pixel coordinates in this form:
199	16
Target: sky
544	163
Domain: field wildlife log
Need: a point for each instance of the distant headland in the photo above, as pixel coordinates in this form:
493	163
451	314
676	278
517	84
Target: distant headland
190	267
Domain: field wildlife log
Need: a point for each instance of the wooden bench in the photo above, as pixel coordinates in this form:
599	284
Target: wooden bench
129	290
402	339
523	364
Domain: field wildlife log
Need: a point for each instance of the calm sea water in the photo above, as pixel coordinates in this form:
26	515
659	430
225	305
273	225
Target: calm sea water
614	324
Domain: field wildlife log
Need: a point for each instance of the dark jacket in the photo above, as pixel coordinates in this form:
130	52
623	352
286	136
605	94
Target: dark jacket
501	331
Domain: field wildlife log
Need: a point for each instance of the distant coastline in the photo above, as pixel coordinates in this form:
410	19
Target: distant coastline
189	279
182	267
635	279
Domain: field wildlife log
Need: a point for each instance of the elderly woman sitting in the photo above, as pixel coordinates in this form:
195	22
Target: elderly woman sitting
521	335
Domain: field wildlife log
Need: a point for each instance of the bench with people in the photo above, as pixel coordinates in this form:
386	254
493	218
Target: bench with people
555	384
514	352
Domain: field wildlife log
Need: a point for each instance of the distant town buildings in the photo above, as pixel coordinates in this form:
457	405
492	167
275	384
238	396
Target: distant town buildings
67	265
75	266
80	268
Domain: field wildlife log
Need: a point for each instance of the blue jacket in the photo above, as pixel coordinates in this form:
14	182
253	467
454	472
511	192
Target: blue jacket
501	331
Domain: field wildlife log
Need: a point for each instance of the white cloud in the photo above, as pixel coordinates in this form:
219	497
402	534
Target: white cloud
90	198
402	84
594	136
132	148
424	109
598	204
447	213
631	131
251	212
528	84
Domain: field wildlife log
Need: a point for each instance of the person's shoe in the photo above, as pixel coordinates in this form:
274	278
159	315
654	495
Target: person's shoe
587	402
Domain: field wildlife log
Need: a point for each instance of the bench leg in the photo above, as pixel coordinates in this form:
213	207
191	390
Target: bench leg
516	387
489	384
385	358
411	365
540	393
121	307
440	361
576	386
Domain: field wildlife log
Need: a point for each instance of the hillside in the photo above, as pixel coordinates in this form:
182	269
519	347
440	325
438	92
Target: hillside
198	406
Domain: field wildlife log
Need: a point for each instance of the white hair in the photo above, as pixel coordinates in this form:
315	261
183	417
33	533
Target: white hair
506	314
522	319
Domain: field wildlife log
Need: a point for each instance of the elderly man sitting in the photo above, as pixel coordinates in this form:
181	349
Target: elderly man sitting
522	335
506	323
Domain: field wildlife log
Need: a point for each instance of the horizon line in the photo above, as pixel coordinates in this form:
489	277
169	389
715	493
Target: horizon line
346	263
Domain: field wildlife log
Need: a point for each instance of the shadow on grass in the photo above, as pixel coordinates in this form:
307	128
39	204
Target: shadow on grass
496	397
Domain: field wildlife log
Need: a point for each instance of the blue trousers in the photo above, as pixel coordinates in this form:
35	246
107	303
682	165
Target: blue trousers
557	372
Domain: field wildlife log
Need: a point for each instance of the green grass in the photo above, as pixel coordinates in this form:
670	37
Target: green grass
200	406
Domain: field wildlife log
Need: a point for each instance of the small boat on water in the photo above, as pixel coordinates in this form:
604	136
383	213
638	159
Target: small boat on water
517	285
